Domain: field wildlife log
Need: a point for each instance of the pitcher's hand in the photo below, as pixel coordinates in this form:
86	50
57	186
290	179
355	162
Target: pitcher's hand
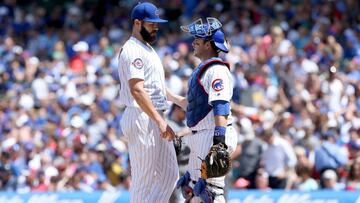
165	131
170	134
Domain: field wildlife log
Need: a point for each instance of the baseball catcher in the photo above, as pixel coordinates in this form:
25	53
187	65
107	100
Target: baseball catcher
208	115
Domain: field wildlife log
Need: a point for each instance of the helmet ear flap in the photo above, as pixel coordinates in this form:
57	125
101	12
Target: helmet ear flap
213	46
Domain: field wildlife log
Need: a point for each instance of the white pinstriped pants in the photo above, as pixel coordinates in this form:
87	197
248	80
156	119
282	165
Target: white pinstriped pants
200	144
154	168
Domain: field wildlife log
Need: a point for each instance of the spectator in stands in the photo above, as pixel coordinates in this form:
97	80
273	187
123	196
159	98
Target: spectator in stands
305	181
262	180
240	83
329	180
247	162
354	144
329	155
278	159
9	172
353	182
333	88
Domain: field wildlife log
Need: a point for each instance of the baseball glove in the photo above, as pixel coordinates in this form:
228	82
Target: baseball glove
177	145
216	163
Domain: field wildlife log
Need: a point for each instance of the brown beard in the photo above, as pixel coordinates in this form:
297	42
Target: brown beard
146	35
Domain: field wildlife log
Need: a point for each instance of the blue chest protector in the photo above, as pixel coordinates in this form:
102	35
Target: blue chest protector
198	100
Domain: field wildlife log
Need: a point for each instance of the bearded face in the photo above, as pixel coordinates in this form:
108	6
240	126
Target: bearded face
149	34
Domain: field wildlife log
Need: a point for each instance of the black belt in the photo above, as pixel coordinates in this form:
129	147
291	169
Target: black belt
196	131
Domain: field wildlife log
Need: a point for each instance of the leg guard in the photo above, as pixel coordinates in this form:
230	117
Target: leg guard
184	184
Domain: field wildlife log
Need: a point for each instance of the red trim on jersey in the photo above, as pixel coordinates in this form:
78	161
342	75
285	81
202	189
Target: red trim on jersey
202	71
206	66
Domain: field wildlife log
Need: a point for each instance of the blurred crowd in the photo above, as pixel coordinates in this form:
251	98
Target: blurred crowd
296	102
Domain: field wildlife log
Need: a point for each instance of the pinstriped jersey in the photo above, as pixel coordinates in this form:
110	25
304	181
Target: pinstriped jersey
139	60
217	82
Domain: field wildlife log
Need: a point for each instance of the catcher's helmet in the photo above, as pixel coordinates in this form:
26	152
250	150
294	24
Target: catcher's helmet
210	30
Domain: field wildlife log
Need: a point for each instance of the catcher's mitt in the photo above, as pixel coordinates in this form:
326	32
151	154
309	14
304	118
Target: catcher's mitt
216	163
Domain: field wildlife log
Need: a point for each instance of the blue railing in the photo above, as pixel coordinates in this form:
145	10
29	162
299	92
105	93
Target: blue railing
235	196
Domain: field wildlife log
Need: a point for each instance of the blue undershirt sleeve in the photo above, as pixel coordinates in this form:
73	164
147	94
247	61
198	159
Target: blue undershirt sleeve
221	107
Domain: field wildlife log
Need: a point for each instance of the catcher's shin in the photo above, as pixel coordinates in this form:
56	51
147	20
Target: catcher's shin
216	163
184	184
202	190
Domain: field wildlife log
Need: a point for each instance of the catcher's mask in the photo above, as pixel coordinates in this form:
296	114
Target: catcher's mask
208	31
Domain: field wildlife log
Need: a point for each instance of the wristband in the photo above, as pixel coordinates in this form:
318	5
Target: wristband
219	135
219	131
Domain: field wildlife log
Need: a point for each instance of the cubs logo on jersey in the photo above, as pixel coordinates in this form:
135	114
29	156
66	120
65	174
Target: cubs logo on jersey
137	63
218	85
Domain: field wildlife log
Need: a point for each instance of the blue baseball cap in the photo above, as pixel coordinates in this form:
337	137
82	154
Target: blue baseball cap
147	12
220	42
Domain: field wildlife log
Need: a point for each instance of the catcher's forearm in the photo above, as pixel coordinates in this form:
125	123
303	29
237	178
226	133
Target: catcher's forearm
184	132
221	121
177	99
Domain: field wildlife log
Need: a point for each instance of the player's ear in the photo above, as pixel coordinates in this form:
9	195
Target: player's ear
208	44
137	23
